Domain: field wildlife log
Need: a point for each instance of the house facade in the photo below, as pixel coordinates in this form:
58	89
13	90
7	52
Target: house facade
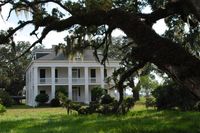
78	74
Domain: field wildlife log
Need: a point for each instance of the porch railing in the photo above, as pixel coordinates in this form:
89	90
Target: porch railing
93	80
44	80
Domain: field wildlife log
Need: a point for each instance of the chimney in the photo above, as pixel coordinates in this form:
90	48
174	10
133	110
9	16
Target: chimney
53	47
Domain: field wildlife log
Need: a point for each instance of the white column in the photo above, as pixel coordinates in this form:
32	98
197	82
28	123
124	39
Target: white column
102	76
86	85
53	88
70	82
35	84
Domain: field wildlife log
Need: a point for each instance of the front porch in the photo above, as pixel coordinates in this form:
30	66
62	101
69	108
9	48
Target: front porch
79	93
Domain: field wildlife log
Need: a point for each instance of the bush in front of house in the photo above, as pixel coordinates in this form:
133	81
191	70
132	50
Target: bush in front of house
55	102
106	99
2	109
5	99
61	90
106	105
42	98
97	93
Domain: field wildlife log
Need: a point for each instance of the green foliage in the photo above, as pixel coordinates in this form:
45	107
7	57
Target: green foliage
5	99
61	90
174	96
106	99
147	84
97	93
60	97
126	105
110	106
150	102
2	109
93	5
65	102
84	110
42	98
63	99
12	72
129	102
55	102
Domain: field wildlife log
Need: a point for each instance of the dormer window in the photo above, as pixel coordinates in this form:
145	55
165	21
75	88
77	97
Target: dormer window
39	55
78	56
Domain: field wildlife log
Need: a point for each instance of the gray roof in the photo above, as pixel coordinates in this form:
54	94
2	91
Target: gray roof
53	56
87	55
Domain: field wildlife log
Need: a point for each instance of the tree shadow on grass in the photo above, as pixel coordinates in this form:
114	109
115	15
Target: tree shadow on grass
21	106
135	122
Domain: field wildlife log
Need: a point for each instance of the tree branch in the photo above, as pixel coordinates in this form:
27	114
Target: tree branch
13	31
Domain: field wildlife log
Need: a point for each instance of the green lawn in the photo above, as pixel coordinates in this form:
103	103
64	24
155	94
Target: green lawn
22	119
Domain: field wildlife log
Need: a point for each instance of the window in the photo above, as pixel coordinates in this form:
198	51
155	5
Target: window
78	57
76	73
42	73
39	55
93	73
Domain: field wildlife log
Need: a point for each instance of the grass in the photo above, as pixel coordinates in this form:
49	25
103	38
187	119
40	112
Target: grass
23	119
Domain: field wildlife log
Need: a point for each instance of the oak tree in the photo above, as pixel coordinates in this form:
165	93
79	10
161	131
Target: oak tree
146	46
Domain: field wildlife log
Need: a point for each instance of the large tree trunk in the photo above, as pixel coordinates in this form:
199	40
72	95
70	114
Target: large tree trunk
136	95
168	56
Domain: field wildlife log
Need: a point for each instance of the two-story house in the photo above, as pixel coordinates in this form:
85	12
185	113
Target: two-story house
77	74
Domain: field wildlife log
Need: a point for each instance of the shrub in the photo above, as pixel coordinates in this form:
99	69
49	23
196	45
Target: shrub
62	98
97	93
55	102
129	102
94	105
106	99
84	110
2	109
174	96
76	105
42	98
61	90
150	102
5	98
110	108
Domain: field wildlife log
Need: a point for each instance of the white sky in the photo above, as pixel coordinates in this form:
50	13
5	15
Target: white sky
54	37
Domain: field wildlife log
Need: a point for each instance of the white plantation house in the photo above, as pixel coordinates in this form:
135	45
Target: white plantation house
78	74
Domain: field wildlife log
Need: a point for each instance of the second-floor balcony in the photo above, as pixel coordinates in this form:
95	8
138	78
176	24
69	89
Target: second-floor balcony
65	81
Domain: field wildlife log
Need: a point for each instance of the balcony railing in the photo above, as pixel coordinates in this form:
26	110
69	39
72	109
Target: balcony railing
61	80
44	80
65	81
78	80
93	80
